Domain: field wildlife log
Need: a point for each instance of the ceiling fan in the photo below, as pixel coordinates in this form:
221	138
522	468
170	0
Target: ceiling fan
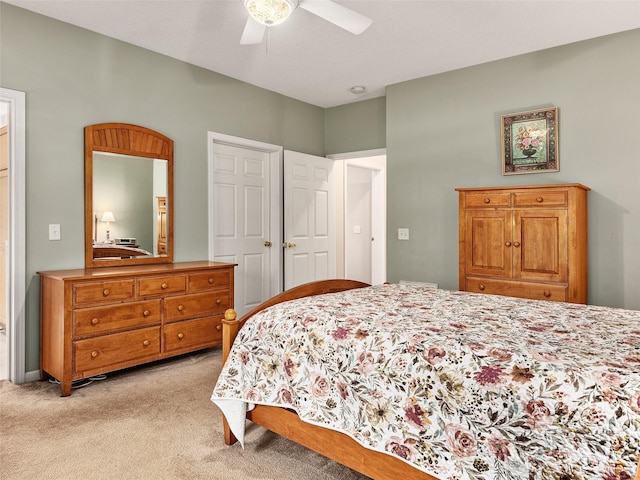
266	13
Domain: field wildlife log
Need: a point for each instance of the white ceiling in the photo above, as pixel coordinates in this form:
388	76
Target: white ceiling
309	59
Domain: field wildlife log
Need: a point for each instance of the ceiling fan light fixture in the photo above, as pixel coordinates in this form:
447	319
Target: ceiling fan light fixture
269	12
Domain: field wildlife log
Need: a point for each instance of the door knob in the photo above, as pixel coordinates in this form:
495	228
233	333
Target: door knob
267	243
288	245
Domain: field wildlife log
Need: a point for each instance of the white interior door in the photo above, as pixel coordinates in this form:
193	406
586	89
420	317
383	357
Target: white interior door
309	219
240	220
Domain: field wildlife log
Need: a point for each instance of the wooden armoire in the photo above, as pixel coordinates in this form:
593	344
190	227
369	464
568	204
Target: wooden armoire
526	241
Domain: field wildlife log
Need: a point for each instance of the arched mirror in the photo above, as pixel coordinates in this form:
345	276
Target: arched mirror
128	195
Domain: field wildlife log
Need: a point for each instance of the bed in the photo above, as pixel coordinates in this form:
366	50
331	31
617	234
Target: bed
403	381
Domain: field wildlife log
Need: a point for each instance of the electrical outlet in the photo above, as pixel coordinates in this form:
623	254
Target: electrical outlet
403	234
54	231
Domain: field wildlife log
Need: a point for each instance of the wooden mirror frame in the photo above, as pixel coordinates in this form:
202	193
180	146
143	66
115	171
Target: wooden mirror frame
132	140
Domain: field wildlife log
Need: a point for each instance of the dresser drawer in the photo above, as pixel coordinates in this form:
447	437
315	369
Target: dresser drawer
210	280
116	350
162	285
92	321
487	200
534	291
193	334
197	305
110	291
542	199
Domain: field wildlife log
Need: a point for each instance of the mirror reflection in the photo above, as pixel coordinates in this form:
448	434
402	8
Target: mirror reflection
129	206
128	196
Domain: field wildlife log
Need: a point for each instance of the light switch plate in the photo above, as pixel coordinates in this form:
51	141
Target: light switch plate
403	234
54	231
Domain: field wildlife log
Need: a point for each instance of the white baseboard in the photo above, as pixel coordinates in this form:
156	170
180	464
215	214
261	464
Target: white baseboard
424	284
32	376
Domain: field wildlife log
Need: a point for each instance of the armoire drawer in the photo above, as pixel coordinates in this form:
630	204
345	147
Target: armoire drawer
109	291
98	353
487	200
164	285
209	280
191	334
534	291
99	320
542	199
196	305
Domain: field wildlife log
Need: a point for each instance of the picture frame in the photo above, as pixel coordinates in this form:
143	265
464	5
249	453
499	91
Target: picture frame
530	142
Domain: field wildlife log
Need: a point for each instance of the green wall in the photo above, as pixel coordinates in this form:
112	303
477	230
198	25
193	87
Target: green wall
73	78
443	132
356	127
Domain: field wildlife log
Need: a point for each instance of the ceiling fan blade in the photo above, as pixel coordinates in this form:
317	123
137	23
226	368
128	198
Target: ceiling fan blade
338	15
253	32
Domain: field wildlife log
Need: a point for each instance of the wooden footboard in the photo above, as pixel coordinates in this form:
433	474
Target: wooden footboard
335	445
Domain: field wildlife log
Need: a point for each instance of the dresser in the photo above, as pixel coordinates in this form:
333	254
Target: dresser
526	241
99	320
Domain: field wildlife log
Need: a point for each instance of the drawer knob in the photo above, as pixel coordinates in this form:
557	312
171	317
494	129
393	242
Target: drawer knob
180	308
94	354
481	287
218	327
516	244
164	286
487	201
105	292
547	294
94	321
507	244
218	302
145	343
146	313
180	336
211	281
539	199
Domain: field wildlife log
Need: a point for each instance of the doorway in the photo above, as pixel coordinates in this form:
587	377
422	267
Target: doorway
4	239
362	215
13	205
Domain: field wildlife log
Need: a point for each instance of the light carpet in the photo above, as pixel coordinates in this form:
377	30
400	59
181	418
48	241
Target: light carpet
151	422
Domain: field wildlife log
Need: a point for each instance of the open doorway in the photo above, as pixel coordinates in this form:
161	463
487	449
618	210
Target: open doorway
13	205
4	238
362	215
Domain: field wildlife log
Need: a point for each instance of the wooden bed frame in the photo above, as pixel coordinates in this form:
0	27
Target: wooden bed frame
335	445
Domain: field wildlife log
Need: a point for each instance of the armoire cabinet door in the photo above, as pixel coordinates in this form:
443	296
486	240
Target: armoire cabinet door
540	245
488	250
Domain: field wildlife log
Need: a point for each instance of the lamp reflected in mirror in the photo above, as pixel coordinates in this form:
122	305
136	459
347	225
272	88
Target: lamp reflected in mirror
108	217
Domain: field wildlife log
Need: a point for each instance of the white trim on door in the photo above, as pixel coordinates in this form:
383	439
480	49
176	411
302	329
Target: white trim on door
276	162
17	235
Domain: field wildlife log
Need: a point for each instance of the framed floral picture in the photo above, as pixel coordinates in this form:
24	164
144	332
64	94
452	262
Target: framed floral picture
530	142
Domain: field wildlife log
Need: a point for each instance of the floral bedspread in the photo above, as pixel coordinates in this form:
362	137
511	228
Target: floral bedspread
461	385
